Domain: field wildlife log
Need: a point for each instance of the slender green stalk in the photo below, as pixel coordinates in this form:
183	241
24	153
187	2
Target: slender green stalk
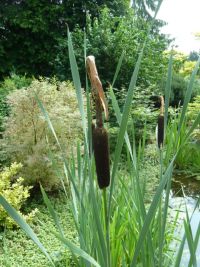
160	215
105	208
104	193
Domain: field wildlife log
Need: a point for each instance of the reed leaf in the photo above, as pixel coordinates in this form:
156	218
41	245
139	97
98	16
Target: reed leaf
77	251
119	117
151	212
188	233
77	83
196	242
118	68
51	210
168	88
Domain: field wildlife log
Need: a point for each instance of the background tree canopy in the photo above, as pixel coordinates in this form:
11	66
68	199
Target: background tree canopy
33	36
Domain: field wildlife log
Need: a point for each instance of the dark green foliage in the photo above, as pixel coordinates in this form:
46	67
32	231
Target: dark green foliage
101	154
193	56
33	33
196	88
189	159
29	36
37	30
142	7
144	113
109	36
179	86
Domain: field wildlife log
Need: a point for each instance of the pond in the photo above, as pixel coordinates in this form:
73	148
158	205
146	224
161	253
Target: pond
186	192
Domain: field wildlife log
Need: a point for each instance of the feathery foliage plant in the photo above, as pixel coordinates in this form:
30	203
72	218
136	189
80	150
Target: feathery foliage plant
27	138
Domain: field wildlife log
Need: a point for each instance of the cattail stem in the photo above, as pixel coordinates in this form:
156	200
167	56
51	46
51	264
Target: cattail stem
161	226
106	225
105	207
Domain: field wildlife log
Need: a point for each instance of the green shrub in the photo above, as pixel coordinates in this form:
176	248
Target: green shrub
15	193
188	158
194	108
15	82
192	113
143	114
108	36
125	34
27	138
179	87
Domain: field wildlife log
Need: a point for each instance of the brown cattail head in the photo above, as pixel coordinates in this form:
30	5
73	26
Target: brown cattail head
160	134
101	155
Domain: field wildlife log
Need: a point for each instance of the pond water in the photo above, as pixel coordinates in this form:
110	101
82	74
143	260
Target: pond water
186	192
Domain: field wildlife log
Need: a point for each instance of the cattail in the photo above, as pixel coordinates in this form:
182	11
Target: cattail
101	155
160	133
160	130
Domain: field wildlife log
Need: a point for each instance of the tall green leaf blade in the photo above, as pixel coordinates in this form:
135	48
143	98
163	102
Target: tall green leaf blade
46	116
66	168
196	241
181	247
164	217
123	125
77	251
180	252
51	210
118	68
119	117
77	82
190	241
98	224
151	213
193	127
168	88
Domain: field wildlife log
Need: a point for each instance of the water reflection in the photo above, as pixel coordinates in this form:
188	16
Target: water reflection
184	185
186	192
